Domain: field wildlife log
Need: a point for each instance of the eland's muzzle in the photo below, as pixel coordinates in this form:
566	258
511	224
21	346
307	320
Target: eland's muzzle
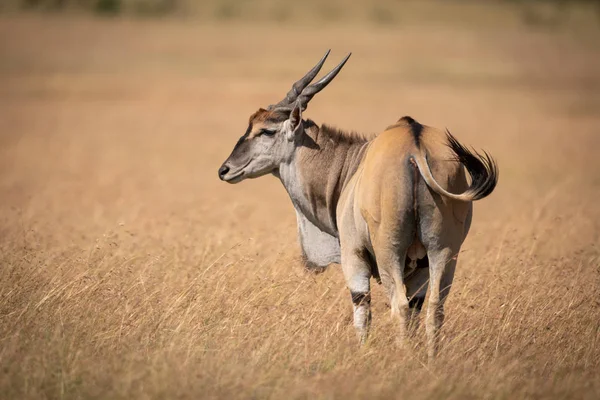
223	171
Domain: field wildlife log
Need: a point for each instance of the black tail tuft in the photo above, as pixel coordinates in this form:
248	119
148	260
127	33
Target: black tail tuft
482	168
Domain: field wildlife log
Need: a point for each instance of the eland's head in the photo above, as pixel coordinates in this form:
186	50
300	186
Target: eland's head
273	133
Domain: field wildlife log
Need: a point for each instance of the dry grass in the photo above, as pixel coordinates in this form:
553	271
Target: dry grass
129	271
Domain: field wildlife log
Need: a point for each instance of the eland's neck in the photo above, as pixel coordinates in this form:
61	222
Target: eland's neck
323	164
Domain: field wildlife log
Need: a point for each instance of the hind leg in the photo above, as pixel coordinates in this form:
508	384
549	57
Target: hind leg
441	273
416	290
390	261
442	231
357	273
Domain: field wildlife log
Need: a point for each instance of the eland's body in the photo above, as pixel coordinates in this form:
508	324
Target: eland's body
383	207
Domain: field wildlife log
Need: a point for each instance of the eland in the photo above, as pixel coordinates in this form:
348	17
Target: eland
395	207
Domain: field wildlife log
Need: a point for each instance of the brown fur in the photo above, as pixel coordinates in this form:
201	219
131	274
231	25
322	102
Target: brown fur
262	118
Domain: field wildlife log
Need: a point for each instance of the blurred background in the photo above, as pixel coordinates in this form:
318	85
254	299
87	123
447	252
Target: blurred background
128	270
550	12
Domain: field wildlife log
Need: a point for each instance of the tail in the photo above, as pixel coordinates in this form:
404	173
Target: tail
482	168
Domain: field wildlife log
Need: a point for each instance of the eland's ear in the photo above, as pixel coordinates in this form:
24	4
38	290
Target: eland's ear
295	122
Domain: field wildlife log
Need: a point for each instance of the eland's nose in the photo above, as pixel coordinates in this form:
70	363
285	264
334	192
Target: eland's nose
223	171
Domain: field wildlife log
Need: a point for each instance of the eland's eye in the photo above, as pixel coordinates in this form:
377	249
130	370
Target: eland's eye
267	132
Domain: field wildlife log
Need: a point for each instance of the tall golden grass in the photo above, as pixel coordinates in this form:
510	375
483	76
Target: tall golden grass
129	271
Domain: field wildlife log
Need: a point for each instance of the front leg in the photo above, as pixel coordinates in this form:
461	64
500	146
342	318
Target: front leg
357	273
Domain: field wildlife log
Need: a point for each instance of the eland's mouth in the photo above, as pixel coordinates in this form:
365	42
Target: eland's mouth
233	178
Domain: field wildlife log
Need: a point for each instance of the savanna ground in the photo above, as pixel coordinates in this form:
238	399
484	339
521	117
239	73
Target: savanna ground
128	270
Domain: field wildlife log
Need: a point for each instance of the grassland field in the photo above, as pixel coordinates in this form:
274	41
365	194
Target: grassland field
128	270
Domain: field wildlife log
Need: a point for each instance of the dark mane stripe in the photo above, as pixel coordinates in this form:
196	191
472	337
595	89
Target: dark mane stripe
415	128
341	136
